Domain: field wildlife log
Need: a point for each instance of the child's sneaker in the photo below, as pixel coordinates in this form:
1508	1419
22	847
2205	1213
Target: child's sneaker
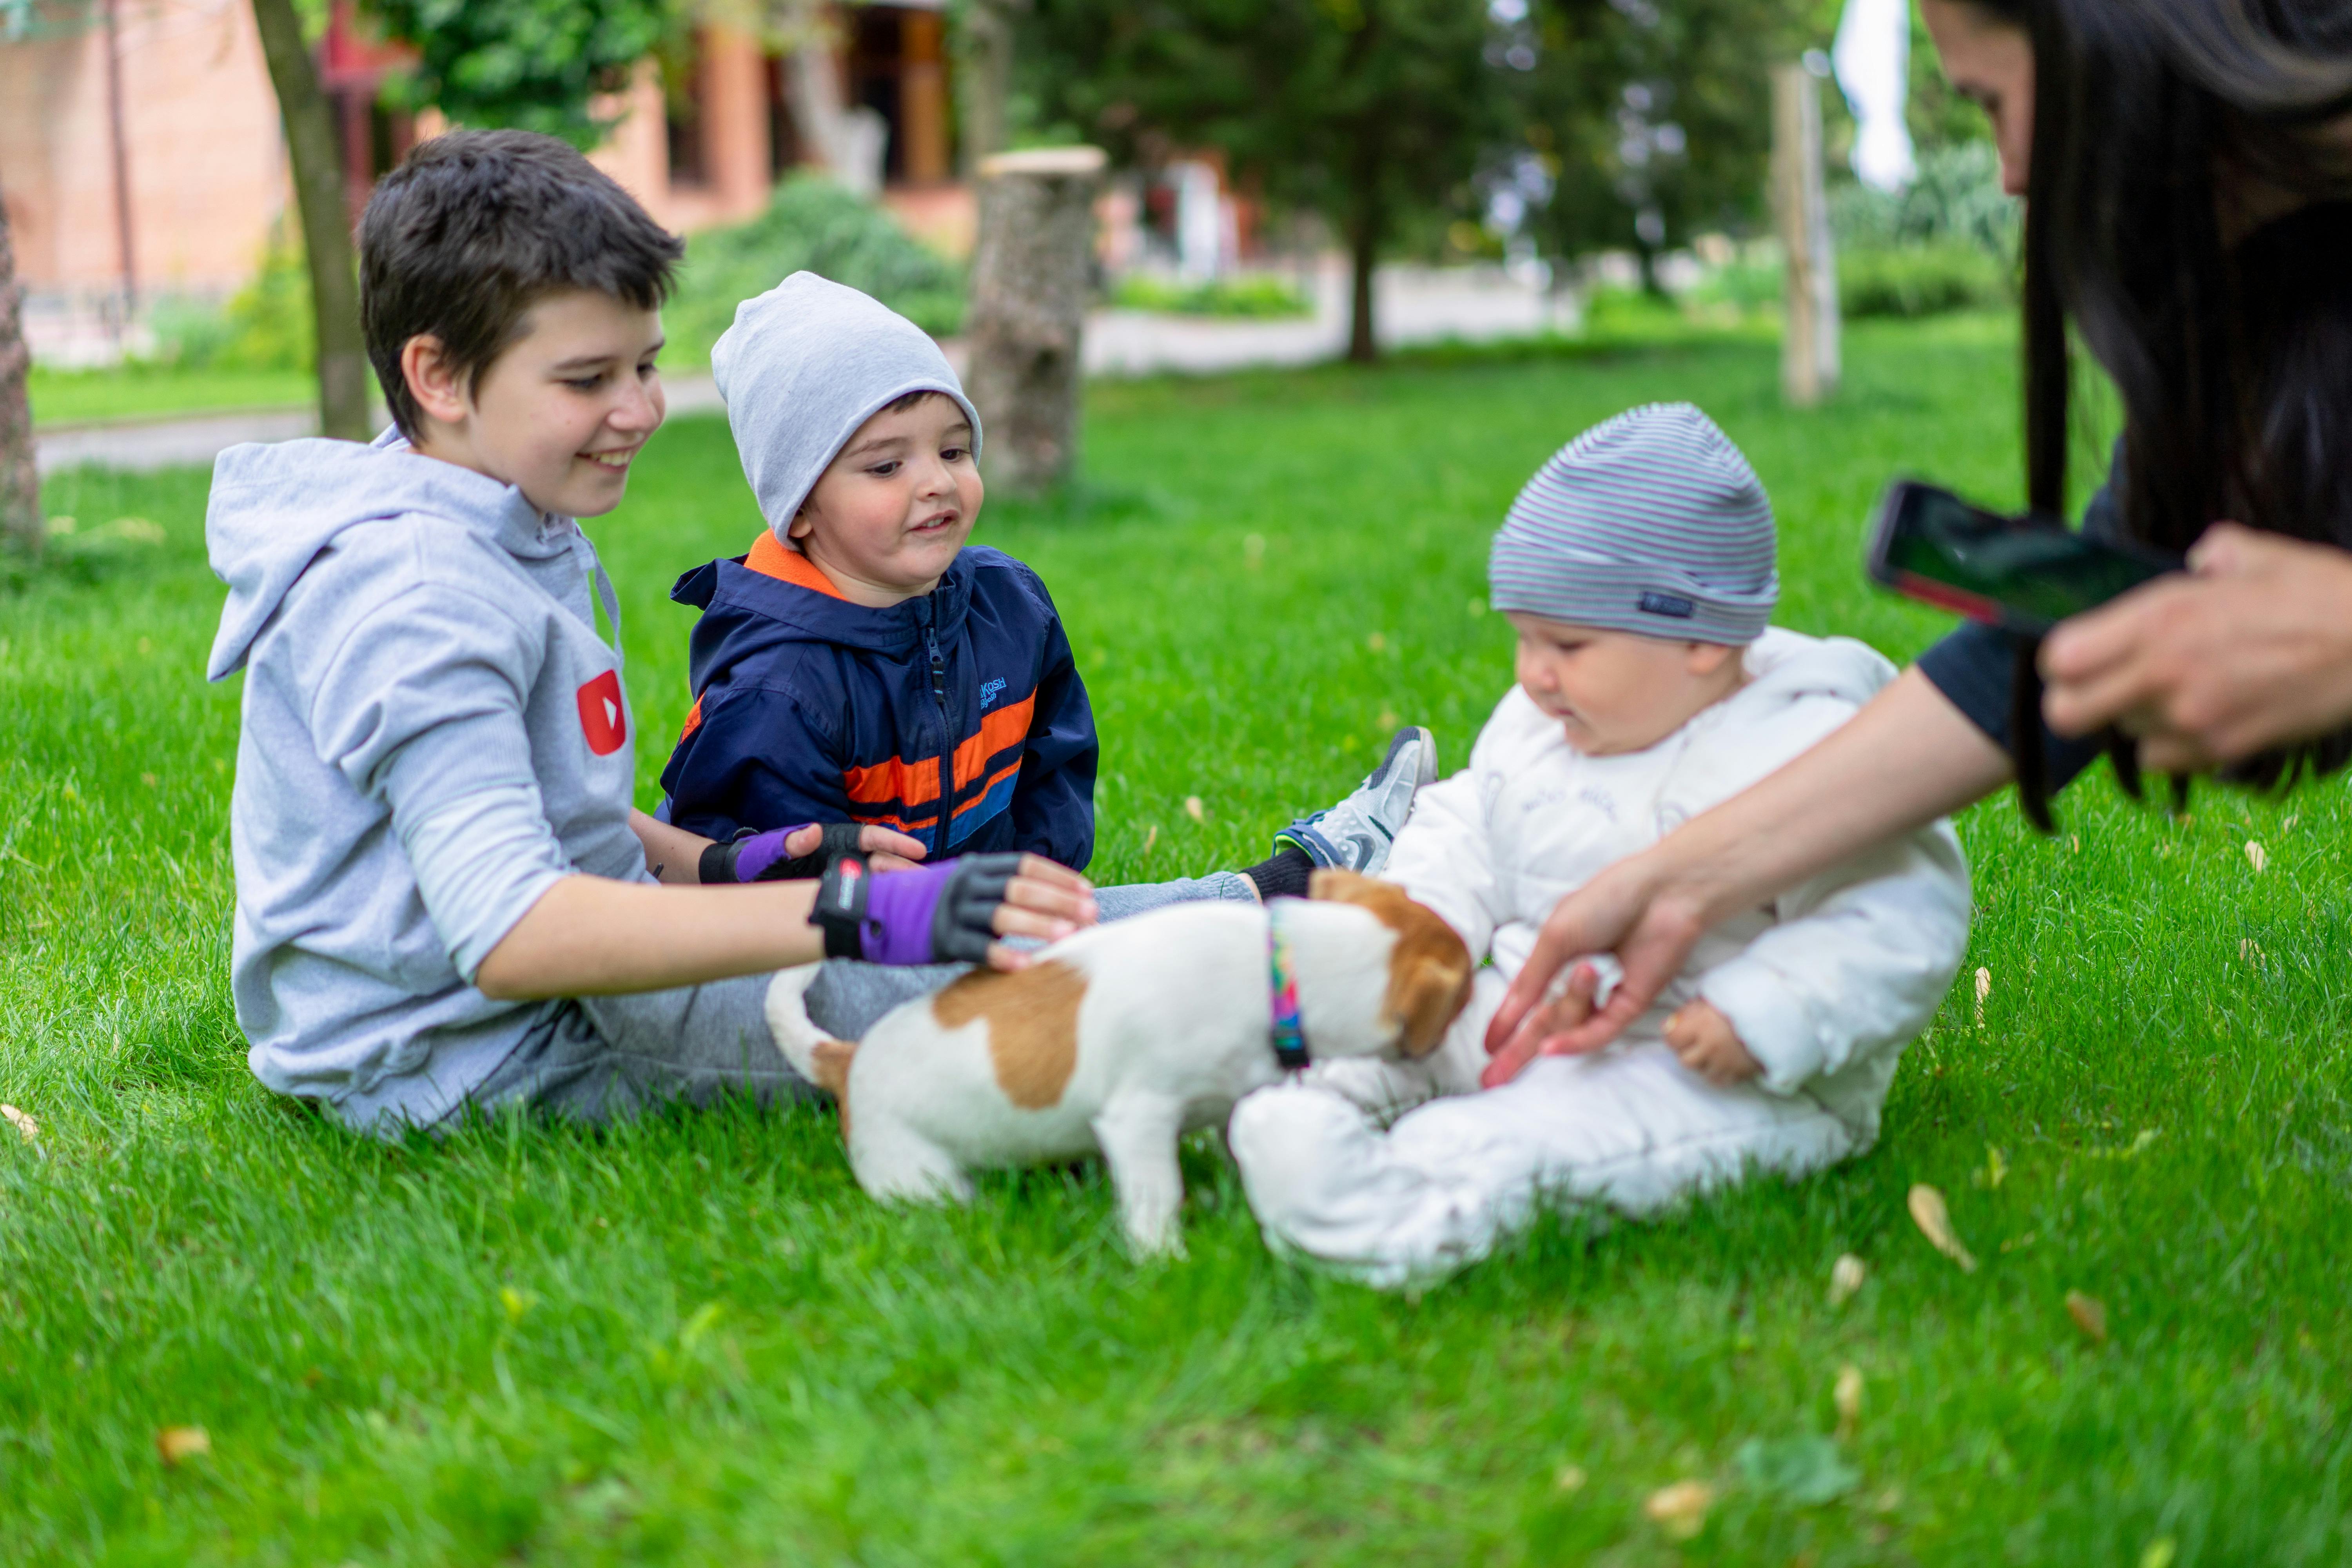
1355	834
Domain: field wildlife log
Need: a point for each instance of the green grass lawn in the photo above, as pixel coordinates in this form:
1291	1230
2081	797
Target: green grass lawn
155	392
694	1339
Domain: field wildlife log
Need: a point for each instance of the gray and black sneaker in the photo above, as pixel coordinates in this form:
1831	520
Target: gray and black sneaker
1355	834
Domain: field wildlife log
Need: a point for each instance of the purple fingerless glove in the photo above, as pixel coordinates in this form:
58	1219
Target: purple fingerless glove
762	858
927	914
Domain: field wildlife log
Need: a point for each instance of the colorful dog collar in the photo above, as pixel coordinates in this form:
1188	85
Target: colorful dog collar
1289	1033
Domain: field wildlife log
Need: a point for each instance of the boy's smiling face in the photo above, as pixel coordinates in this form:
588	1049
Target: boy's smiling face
1616	691
885	519
559	414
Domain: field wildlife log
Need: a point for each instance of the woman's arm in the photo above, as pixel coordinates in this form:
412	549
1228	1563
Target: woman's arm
1907	758
592	936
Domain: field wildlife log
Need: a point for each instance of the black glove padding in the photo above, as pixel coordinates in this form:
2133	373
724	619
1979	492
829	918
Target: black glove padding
963	923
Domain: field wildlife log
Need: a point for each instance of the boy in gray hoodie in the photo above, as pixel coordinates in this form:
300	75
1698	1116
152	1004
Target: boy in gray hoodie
444	894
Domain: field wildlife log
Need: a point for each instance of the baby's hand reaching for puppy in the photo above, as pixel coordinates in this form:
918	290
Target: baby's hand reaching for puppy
1704	1041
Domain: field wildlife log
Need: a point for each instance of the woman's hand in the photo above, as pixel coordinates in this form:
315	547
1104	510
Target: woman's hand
2253	647
1628	910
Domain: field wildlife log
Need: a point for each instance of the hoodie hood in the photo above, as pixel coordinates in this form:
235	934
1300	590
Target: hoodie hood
275	506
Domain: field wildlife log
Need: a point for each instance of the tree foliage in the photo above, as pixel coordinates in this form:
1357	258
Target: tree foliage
1652	118
1367	111
534	64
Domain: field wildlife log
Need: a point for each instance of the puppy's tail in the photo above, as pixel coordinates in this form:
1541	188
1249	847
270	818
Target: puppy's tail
815	1054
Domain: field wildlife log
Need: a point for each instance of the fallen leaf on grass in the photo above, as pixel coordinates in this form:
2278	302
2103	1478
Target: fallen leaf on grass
2090	1315
1935	1222
1984	994
1807	1471
1570	1478
1847	1397
1151	838
1846	1276
2256	856
1194	809
1681	1509
1376	642
178	1443
2160	1554
26	1128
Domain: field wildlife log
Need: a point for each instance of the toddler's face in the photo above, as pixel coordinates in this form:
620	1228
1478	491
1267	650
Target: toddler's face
889	515
1616	692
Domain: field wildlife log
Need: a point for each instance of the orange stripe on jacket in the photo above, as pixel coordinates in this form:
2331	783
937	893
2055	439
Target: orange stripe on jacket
911	784
771	557
693	720
1008	726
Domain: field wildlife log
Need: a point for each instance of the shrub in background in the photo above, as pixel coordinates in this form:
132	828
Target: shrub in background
812	225
1920	280
267	325
1259	296
1955	200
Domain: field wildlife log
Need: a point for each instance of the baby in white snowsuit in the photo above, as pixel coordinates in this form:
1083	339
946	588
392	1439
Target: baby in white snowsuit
1637	567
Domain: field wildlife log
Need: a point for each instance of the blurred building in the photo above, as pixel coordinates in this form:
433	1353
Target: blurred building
140	153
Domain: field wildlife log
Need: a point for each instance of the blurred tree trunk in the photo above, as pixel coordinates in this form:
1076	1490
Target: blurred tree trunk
1031	276
1364	257
20	481
986	83
326	222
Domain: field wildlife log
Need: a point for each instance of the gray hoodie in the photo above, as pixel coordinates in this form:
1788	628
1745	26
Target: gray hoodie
434	734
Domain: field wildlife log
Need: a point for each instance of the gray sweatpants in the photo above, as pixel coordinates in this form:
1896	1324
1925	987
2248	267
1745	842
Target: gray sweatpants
600	1058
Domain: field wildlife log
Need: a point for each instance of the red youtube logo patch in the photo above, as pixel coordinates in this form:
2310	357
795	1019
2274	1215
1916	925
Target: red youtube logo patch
600	716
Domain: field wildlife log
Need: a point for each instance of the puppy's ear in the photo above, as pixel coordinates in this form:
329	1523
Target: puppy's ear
1426	994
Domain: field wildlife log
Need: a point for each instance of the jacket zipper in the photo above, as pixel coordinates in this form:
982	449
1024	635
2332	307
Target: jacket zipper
947	737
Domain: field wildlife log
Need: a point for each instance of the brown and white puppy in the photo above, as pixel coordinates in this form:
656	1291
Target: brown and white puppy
1121	1038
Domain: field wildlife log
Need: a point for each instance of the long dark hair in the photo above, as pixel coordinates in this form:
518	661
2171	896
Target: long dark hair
2228	338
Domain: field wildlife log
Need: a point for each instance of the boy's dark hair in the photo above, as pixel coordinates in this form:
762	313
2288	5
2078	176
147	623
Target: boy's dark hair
479	226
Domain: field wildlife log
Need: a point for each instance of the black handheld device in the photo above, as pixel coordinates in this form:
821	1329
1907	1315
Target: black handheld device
2023	574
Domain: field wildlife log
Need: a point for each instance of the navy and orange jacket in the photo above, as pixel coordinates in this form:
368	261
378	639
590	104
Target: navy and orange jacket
958	718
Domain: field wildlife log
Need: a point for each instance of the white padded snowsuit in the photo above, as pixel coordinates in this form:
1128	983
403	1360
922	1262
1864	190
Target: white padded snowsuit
1825	986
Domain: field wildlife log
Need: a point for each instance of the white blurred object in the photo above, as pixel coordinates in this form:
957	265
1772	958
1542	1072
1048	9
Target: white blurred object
1200	220
1873	57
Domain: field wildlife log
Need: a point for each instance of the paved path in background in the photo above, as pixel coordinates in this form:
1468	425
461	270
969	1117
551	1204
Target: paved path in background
1411	305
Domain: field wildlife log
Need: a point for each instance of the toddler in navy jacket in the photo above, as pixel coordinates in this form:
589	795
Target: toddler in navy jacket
956	717
861	663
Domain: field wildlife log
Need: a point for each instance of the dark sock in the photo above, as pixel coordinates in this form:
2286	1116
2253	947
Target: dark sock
1285	875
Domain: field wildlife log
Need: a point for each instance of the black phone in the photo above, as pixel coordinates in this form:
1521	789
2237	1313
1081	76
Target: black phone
2023	574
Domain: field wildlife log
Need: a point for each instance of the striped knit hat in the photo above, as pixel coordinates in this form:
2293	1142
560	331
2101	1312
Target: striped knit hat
1649	522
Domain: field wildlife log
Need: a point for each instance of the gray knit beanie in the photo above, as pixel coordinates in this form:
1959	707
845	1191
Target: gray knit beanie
1649	522
804	366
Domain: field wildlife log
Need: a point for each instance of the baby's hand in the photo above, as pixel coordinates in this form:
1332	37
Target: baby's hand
1705	1042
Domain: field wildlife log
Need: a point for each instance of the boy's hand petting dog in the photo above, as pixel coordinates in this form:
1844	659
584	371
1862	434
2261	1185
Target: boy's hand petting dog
952	912
1705	1042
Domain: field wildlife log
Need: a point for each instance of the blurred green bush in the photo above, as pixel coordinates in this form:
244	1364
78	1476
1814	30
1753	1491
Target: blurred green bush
267	325
1920	280
816	225
1258	295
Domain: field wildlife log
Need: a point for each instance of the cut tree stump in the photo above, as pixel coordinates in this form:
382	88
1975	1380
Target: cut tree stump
1031	277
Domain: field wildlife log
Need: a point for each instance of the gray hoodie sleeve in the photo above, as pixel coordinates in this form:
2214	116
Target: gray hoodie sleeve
421	708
